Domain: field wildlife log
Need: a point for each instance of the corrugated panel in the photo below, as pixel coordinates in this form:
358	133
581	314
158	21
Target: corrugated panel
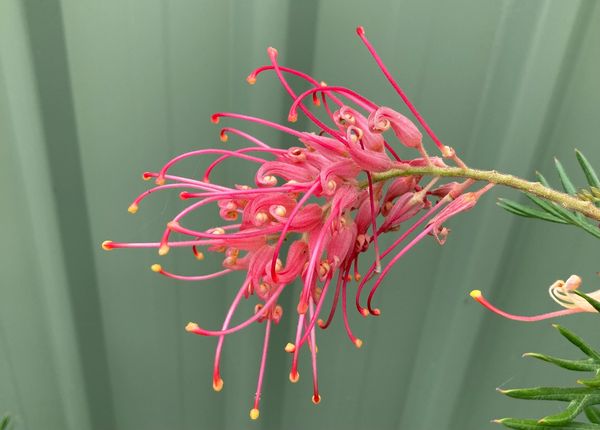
94	93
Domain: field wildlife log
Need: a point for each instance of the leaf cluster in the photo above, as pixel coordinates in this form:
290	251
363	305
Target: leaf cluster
582	399
553	212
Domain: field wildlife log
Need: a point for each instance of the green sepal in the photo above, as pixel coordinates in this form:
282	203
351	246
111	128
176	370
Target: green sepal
528	212
588	170
595	303
587	365
593	414
534	425
561	394
4	423
578	342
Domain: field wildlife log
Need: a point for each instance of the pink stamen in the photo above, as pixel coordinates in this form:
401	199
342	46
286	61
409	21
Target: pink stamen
368	275
243	234
315	255
110	245
294	371
158	269
134	205
194	328
313	354
389	266
273	56
476	294
363	102
294	188
204	185
257	142
287	226
217	380
185	155
356	341
215	118
313	319
251	79
219	160
263	362
341	278
361	33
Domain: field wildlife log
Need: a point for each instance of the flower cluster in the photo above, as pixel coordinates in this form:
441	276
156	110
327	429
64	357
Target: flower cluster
329	199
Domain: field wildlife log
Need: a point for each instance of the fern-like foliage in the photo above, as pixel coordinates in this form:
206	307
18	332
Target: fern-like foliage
553	212
580	400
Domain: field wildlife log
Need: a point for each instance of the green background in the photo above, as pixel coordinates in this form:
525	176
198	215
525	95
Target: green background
92	93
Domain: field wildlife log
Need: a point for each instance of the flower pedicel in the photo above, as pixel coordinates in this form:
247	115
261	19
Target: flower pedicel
323	198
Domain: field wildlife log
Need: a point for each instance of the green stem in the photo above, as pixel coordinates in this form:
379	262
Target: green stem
565	200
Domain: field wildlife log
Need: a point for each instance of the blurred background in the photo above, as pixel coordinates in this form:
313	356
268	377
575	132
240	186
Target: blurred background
93	93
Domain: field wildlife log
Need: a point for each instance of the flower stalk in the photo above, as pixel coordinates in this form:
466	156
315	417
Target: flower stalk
567	201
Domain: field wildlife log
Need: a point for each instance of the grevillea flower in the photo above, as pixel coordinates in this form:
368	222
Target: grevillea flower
562	292
320	196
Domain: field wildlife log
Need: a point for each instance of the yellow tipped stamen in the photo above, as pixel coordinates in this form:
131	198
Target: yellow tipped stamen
146	176
293	118
320	322
223	137
316	399
160	180
376	312
475	294
251	80
218	385
163	250
132	208
156	268
364	312
254	413
191	326
290	347
107	245
294	377
357	277
199	256
323	83
358	342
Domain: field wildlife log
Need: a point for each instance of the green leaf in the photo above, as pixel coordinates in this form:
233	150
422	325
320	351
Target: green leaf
569	414
4	423
552	208
564	178
590	228
525	211
534	425
592	383
593	414
595	303
561	394
588	170
579	365
578	342
542	180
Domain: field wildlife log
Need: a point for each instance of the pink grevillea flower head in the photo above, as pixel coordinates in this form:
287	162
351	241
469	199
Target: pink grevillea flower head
322	198
562	292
